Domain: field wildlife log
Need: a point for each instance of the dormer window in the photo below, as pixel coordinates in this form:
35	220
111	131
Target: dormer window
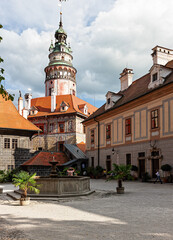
158	73
83	108
64	106
154	77
111	99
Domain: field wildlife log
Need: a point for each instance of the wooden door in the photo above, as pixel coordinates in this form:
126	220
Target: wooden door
108	165
141	167
155	167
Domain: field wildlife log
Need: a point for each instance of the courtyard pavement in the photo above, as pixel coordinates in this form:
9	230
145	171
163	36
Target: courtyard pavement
144	212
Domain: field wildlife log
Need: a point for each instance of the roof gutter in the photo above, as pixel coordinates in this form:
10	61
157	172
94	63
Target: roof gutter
98	150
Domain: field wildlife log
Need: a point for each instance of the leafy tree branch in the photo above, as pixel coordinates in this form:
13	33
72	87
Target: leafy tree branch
3	92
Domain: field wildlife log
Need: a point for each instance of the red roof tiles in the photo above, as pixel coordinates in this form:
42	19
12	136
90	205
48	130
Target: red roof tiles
43	104
11	119
137	89
82	146
43	159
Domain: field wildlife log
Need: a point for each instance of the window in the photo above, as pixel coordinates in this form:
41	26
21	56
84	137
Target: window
61	127
92	161
108	131
70	126
14	143
108	100
141	154
10	167
154	119
61	147
155	153
42	128
154	77
51	127
92	136
50	90
128	159
6	142
128	126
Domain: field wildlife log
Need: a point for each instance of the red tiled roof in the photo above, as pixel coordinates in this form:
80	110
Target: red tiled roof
82	146
43	159
43	104
11	119
169	64
137	89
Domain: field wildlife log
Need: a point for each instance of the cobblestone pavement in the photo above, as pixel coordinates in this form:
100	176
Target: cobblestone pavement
144	212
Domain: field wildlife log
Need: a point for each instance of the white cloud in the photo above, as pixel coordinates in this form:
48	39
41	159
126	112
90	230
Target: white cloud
106	36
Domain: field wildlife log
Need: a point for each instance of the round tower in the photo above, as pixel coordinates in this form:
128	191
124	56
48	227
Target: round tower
60	73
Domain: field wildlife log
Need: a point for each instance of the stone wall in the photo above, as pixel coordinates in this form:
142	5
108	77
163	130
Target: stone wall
48	141
42	171
11	158
164	147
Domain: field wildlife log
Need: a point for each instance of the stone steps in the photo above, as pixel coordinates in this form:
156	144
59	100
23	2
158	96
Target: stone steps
14	195
17	194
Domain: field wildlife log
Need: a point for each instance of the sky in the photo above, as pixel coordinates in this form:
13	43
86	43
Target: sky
106	36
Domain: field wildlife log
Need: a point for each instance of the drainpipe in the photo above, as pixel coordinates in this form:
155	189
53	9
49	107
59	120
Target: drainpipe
98	124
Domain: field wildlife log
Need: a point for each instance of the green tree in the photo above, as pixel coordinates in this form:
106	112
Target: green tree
120	172
3	92
25	181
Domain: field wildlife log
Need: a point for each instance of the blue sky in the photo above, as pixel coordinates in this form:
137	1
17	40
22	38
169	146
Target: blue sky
105	36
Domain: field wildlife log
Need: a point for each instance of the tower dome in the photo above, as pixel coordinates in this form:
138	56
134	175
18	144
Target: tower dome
60	34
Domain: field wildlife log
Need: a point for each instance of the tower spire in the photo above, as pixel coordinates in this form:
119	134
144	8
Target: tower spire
60	23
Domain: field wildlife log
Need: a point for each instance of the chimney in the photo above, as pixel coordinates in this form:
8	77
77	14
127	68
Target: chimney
20	103
53	100
126	78
28	97
161	55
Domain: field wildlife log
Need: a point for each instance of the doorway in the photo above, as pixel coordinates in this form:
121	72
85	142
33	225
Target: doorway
155	167
108	166
141	167
108	163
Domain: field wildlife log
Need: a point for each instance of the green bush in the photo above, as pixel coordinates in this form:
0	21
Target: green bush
7	176
166	167
90	170
99	169
134	168
95	172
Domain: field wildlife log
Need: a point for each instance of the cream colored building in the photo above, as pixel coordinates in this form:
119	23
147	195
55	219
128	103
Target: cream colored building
135	125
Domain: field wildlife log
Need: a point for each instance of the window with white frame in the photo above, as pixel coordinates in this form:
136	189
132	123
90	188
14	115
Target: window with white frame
14	143
6	142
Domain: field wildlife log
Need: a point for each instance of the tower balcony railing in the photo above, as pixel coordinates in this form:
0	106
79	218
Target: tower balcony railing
60	77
